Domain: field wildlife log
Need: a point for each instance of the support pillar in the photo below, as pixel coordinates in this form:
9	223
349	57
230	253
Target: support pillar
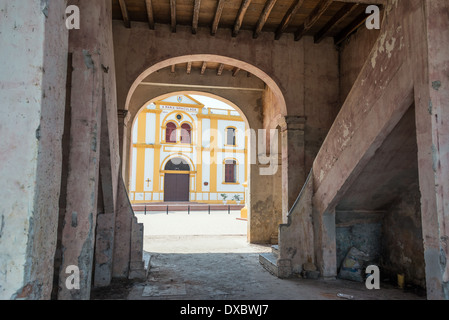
78	235
293	160
105	232
432	119
325	243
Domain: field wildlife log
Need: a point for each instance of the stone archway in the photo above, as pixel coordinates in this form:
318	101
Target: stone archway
261	222
270	83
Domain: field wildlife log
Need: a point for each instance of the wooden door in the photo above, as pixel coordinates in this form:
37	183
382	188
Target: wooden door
176	187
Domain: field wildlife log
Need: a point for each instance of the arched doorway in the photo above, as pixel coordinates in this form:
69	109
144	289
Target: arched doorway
176	180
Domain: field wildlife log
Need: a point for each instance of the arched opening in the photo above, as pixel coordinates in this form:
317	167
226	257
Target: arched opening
210	58
177	164
186	132
194	184
170	133
260	95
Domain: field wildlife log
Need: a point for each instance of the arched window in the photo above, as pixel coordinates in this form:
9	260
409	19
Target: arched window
230	137
230	171
177	164
186	131
170	133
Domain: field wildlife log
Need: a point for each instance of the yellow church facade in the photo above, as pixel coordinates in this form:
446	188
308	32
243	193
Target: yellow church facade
184	151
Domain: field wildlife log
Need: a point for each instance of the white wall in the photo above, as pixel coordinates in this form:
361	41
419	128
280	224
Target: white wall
33	60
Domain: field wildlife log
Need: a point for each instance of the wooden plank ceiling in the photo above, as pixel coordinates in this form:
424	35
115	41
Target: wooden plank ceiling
317	18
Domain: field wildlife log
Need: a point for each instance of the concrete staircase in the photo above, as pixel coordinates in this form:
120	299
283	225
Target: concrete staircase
280	268
293	247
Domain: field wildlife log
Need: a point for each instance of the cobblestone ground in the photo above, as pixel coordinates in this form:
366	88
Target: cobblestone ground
200	257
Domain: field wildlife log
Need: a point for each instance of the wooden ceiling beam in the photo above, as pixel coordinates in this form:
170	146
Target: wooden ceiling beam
346	10
288	18
125	15
149	8
354	25
263	17
240	16
235	71
203	67
312	18
220	69
196	15
189	67
173	15
217	16
173	68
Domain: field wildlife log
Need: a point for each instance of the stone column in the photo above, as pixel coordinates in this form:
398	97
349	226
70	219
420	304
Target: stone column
293	160
78	235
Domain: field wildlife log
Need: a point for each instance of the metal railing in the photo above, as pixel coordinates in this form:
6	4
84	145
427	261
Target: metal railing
188	209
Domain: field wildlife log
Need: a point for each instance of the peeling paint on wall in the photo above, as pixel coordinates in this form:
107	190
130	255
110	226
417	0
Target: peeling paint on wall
434	158
44	6
88	61
436	85
74	219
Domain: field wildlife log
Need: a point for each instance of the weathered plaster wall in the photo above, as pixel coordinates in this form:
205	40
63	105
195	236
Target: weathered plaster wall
402	240
139	48
362	230
353	54
400	71
33	63
296	237
320	95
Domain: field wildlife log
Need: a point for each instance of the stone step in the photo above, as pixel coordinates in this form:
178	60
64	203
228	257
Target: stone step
275	250
268	260
140	269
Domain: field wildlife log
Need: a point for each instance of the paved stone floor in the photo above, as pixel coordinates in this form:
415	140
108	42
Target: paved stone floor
202	257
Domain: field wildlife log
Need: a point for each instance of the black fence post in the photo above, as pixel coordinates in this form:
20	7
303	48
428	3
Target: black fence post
167	209
189	208
229	209
145	209
209	209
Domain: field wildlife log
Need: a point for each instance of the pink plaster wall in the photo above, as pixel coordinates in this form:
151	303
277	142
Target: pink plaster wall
407	62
